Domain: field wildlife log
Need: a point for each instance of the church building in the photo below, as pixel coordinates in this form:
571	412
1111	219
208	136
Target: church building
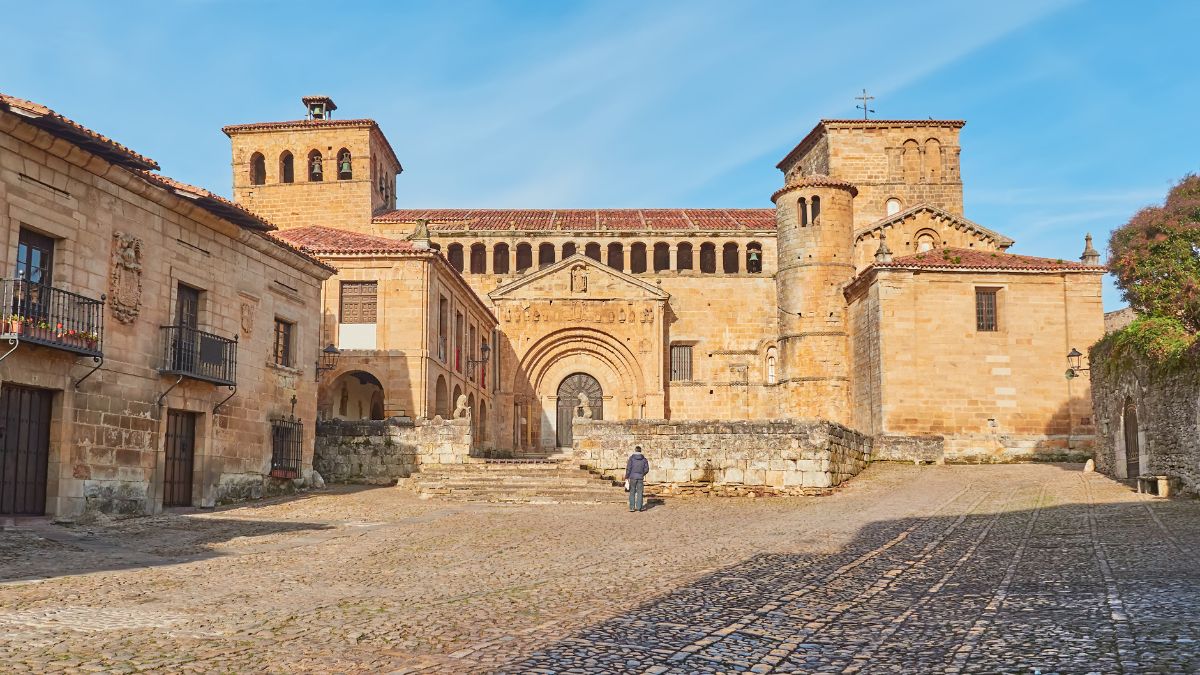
862	296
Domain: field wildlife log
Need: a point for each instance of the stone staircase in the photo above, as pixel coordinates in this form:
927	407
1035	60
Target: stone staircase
515	481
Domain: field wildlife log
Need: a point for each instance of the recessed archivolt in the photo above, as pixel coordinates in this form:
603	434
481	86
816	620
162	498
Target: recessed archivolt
543	354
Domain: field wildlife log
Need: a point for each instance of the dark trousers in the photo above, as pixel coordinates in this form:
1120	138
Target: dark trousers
636	486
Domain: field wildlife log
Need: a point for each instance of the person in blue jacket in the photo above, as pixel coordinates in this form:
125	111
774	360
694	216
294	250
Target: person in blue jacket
635	473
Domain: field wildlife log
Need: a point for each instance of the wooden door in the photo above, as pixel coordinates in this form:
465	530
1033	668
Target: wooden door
180	458
24	449
1133	450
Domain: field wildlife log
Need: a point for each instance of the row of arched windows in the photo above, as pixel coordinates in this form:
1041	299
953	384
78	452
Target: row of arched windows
639	259
314	167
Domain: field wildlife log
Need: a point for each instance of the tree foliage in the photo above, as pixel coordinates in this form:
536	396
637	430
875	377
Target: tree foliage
1156	257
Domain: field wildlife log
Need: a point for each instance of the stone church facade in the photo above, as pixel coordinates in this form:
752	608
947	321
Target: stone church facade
864	297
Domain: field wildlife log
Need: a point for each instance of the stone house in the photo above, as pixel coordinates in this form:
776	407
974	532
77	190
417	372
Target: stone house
412	334
864	297
158	345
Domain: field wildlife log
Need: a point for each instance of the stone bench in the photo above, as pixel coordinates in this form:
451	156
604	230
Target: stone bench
1162	486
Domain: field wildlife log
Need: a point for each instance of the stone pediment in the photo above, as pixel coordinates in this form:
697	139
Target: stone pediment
932	216
578	278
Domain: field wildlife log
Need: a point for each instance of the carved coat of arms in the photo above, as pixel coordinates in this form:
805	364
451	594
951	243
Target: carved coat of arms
248	312
125	285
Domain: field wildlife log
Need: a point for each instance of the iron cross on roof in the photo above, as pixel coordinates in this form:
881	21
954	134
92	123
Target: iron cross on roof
864	98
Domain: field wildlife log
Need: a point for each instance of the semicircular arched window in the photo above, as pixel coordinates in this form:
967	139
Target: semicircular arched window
344	166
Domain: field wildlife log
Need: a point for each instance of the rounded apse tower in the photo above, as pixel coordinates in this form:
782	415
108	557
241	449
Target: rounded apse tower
814	217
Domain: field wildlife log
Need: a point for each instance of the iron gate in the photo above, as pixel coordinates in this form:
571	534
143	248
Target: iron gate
181	456
577	395
24	449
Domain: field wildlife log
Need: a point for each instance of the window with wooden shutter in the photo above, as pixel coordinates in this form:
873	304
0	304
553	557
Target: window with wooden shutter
283	342
359	301
681	363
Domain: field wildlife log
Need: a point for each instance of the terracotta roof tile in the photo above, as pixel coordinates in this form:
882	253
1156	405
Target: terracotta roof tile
622	220
327	240
45	118
209	201
974	259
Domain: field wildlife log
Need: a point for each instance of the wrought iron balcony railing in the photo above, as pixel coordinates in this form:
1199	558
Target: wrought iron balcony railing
44	315
199	355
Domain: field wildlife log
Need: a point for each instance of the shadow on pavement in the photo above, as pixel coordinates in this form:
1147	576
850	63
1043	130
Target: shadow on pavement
35	548
1000	580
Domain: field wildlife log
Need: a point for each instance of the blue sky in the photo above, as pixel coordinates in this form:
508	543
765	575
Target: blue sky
1078	113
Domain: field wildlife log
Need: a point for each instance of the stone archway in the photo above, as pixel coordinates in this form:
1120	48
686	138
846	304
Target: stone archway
357	395
620	371
579	395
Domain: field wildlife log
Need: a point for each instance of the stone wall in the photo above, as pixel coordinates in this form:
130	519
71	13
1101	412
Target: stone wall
379	452
1166	412
892	448
777	456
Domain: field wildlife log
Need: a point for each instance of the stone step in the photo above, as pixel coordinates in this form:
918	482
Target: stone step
529	496
515	481
512	482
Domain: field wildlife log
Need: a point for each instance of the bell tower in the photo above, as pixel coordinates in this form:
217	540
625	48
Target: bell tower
316	170
814	217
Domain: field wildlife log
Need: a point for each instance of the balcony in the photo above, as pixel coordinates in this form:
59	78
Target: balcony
43	315
199	355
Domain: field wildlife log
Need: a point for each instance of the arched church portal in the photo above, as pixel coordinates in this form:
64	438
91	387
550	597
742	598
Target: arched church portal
579	395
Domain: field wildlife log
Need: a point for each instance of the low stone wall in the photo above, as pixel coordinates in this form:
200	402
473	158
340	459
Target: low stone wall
379	452
886	448
773	456
1165	405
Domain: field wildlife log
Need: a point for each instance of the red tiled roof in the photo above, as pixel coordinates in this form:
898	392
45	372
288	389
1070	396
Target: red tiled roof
44	118
814	180
585	219
974	259
209	201
231	129
327	240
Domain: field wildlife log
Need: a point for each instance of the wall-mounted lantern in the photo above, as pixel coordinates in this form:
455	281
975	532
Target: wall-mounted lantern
484	351
1075	364
328	359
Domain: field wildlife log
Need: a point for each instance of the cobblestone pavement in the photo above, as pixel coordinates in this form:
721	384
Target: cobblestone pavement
932	569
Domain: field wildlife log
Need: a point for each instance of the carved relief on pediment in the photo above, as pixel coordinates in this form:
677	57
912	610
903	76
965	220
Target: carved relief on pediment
125	283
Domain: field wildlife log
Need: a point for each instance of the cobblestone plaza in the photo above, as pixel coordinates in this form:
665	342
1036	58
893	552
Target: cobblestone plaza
1006	568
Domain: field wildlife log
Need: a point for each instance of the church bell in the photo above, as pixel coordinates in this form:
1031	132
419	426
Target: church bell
316	166
345	165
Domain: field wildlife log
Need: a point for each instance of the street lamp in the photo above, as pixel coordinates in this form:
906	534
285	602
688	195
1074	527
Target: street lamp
328	359
1075	364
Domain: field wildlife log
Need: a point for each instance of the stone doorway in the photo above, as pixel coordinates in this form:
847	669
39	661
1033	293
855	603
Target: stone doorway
579	395
1133	450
